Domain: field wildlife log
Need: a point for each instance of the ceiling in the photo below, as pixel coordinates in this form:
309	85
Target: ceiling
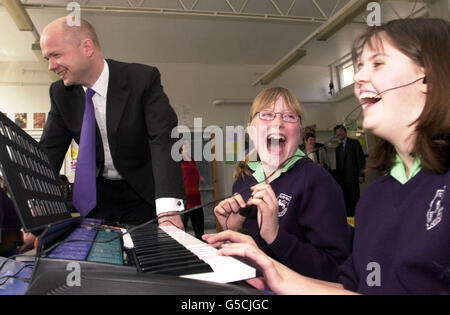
253	33
196	31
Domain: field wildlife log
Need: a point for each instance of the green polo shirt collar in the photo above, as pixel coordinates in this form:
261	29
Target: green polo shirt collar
258	170
399	171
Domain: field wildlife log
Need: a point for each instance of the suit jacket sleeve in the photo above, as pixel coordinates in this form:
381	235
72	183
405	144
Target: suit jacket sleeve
360	158
55	138
160	120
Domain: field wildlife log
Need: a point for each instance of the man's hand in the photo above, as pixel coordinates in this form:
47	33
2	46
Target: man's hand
170	218
28	241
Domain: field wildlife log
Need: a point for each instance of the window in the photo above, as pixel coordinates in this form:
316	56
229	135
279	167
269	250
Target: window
341	74
347	75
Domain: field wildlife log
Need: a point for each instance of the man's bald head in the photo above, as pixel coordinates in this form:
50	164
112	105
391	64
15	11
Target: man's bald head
72	34
73	52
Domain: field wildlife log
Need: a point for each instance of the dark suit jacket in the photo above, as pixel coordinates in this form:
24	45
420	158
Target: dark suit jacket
354	161
139	122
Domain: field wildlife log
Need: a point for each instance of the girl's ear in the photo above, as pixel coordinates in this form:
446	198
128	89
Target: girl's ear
424	85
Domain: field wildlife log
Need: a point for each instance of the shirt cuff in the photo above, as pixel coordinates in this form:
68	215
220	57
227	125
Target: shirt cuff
168	204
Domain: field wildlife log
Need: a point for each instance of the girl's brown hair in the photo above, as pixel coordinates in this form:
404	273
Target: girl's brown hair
264	99
427	43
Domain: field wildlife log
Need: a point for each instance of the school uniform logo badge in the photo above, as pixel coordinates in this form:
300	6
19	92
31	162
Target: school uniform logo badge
434	213
283	203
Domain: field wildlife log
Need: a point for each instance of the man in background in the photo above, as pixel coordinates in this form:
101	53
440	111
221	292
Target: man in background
350	164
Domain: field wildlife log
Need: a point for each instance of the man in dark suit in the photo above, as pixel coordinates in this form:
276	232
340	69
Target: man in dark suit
136	177
350	164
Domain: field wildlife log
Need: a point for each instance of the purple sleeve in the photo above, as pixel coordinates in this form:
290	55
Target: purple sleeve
347	275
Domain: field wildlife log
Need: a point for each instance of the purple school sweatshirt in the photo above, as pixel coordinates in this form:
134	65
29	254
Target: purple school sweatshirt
402	237
313	234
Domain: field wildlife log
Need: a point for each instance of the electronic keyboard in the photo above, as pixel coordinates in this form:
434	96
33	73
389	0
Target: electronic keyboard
223	269
151	252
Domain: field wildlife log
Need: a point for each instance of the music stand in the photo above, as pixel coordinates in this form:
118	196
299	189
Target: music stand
31	180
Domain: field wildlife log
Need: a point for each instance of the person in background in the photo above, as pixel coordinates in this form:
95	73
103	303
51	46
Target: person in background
350	165
13	239
402	233
294	212
192	179
65	185
315	151
10	234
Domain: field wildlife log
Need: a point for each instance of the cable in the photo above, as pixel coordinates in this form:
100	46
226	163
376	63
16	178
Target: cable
283	164
15	275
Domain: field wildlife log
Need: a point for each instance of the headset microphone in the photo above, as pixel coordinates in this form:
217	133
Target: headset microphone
424	80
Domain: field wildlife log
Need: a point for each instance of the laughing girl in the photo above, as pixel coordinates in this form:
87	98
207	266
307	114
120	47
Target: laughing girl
296	211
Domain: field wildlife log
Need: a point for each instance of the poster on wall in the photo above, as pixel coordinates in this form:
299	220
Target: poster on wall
21	120
38	120
70	162
73	157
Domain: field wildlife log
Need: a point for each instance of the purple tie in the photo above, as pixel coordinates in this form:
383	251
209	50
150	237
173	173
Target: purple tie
85	188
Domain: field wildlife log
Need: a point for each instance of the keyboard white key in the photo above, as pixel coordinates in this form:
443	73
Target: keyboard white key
226	269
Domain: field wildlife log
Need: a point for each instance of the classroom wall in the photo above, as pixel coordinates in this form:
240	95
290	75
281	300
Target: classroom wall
23	87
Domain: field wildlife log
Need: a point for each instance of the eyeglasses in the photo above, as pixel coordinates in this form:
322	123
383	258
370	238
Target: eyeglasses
269	115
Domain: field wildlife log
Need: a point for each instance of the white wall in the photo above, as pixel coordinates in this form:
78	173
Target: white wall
23	88
24	99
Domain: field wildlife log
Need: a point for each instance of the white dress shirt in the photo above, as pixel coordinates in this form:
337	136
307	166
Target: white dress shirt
312	155
110	172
